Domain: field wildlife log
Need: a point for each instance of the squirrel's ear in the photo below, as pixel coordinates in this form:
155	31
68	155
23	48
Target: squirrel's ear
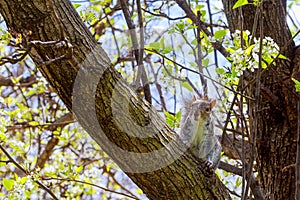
212	103
194	98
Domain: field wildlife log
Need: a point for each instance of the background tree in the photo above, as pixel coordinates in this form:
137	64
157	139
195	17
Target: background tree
261	111
274	113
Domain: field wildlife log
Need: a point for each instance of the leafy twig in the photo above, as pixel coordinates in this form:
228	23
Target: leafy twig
41	185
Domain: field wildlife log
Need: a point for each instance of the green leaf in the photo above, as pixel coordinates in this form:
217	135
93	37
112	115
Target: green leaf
194	41
220	34
205	62
3	137
230	50
297	84
16	80
240	3
249	50
199	7
76	5
170	119
180	26
172	30
268	59
178	115
191	27
238	182
155	45
187	86
162	43
245	36
8	184
107	10
220	70
23	180
79	169
282	57
203	12
167	49
192	64
33	123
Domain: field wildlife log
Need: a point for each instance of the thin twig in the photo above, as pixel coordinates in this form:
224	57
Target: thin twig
157	85
113	33
161	14
199	57
195	89
242	154
41	185
197	72
141	75
47	126
91	184
257	102
297	167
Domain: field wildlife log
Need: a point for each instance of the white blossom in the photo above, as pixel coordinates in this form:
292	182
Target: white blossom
242	59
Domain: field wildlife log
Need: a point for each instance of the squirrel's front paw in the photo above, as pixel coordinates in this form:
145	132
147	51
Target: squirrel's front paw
208	167
209	163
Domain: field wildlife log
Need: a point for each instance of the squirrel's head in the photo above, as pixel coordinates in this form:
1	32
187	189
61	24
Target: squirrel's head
202	108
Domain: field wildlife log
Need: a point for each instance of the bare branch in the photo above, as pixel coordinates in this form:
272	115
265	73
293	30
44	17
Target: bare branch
297	167
255	187
141	76
87	183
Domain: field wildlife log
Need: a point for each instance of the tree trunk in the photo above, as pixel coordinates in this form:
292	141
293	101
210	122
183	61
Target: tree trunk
277	112
126	127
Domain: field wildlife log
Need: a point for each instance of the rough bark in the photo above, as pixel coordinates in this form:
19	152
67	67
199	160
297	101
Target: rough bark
97	103
277	113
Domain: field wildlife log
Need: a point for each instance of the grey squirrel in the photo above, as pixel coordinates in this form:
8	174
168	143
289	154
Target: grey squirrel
197	130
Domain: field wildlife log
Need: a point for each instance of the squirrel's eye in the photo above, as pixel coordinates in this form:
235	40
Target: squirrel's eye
207	109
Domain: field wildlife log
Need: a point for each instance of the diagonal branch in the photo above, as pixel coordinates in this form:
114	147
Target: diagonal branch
196	20
138	49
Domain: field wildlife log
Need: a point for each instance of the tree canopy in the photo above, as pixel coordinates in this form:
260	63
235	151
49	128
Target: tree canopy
91	95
